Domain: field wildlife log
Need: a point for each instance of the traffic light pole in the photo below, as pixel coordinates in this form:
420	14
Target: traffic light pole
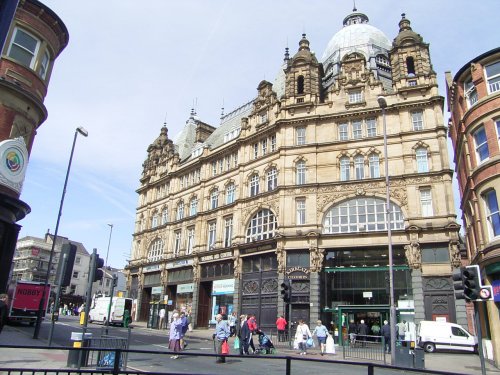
58	295
88	301
479	337
110	302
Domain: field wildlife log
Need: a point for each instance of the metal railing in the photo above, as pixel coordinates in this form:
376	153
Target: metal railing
163	356
365	347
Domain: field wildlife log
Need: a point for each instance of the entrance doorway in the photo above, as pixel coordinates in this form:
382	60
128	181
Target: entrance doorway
204	304
372	315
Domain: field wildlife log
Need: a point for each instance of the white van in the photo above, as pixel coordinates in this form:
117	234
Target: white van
99	310
433	336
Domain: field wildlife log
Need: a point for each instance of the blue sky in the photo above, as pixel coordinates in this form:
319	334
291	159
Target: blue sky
130	66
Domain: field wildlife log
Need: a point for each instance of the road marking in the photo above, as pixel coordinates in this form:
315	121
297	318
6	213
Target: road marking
161	346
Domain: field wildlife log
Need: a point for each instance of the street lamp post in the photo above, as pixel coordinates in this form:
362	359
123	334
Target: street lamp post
392	308
82	131
104	278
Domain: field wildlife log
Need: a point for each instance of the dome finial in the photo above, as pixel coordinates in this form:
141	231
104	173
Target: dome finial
287	55
354	7
304	43
404	24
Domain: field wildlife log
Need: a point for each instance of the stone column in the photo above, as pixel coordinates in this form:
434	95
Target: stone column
314	298
418	294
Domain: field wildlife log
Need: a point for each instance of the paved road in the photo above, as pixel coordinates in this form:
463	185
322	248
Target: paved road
199	343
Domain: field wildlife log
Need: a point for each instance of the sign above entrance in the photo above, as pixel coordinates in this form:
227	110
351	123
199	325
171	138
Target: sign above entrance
185	288
152	268
224	255
258	248
13	163
297	273
179	263
156	290
223	287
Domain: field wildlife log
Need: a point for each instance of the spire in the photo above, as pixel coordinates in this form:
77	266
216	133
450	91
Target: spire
354	8
287	55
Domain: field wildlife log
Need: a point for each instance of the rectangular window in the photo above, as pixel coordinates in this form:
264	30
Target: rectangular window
301	173
263	118
24	48
426	202
190	241
264	146
230	193
374	164
344	169
214	168
273	143
371	127
78	260
470	92
343	132
357	129
355	96
254	185
193	207
301	211
492	213
255	150
359	167
228	231
211	235
493	77
154	222
300	134
417	120
214	200
498	129
75	274
422	162
481	143
177	244
44	65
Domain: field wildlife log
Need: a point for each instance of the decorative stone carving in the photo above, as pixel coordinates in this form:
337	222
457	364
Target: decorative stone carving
413	255
317	256
280	255
237	266
196	269
455	254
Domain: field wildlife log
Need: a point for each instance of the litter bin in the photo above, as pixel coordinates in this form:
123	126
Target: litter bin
404	357
419	358
79	358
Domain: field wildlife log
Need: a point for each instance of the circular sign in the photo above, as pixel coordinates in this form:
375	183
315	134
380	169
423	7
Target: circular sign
13	163
485	293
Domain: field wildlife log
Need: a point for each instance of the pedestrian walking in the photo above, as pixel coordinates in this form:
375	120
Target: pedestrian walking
244	334
363	332
220	336
4	310
161	315
352	331
321	333
184	329
232	320
252	325
301	336
175	335
281	326
385	331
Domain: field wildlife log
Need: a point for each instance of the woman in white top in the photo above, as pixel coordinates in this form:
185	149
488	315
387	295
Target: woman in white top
301	336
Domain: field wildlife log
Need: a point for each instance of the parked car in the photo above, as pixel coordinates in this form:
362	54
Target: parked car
432	336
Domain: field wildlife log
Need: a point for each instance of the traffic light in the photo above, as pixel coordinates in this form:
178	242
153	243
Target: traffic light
472	282
458	283
286	291
98	263
65	265
115	280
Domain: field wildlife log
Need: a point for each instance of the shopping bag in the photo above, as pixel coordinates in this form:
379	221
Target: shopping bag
310	342
225	348
236	343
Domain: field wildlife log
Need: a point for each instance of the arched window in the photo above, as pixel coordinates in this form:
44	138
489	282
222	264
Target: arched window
272	179
422	162
410	66
254	185
262	226
359	167
344	168
300	172
155	251
361	215
300	85
230	190
374	164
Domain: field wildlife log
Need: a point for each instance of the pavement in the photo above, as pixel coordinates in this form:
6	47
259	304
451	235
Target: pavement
54	358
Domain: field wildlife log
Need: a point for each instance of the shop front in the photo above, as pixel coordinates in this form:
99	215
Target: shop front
179	290
356	287
184	297
216	289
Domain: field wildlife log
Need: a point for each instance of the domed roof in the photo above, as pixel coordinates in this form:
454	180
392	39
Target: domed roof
356	36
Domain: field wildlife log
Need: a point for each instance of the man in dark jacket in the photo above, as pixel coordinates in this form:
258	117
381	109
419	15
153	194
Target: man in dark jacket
4	310
352	331
244	334
363	332
386	332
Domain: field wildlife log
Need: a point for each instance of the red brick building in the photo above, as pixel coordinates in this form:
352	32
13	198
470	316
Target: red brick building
34	40
474	104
